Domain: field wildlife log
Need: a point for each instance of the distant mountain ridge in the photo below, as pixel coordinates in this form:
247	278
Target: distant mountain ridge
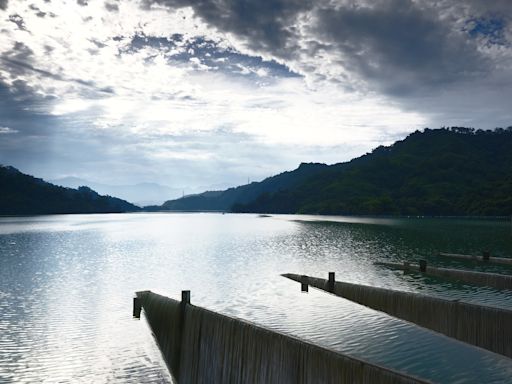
22	194
224	200
139	193
446	171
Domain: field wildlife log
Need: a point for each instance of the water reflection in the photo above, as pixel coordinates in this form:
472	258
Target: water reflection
66	285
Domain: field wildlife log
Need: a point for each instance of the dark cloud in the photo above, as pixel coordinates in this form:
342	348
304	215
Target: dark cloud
403	49
48	49
16	101
20	67
23	112
37	11
111	7
398	46
97	43
264	25
209	53
83	3
19	99
44	144
4	4
18	62
18	20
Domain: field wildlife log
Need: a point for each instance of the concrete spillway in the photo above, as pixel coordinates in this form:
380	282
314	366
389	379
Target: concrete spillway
485	258
201	346
494	280
485	327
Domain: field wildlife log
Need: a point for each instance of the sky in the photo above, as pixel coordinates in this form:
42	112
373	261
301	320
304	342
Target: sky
193	94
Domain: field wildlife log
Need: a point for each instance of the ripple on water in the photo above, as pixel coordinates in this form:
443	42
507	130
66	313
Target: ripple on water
66	285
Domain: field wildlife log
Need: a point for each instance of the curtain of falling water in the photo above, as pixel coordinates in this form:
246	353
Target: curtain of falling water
206	347
479	278
485	279
486	327
164	317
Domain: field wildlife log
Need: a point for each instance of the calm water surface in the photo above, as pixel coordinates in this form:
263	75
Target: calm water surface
67	282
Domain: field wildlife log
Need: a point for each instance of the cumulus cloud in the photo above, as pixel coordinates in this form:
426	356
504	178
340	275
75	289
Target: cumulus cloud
397	48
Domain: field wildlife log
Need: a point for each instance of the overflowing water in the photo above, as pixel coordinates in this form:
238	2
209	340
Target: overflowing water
486	279
480	325
201	346
67	282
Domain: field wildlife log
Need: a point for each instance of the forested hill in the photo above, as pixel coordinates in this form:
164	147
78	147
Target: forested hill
21	194
447	171
455	171
224	200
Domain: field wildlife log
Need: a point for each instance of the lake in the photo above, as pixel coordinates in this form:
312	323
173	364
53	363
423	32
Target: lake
67	283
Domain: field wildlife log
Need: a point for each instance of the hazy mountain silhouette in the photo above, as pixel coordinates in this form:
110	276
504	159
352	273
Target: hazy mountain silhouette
455	171
224	200
21	194
139	193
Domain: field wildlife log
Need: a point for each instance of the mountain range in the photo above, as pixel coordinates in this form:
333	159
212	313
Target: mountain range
436	172
140	194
